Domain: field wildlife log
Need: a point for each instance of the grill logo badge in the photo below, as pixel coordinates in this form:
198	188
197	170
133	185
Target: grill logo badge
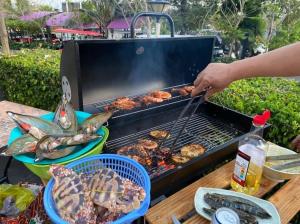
140	50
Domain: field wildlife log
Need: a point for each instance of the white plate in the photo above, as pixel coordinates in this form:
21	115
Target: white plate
275	150
269	207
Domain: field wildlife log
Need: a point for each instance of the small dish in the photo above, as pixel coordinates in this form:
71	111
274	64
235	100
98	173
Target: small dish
268	206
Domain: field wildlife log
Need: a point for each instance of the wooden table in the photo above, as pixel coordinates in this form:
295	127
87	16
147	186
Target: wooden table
286	199
6	125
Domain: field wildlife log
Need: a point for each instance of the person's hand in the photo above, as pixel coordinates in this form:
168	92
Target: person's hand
296	144
214	78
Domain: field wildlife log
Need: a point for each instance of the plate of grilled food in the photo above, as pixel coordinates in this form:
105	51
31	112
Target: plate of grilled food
251	210
281	163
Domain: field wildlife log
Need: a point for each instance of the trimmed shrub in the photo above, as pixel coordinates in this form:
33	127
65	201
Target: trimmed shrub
32	77
281	96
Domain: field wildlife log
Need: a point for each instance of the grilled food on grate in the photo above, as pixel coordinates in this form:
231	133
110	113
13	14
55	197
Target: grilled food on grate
184	91
147	100
192	150
179	159
122	103
161	95
158	134
148	144
136	152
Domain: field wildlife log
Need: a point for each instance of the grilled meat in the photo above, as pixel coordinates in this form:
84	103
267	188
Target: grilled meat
123	103
158	134
184	91
180	159
192	150
136	152
161	95
150	100
148	144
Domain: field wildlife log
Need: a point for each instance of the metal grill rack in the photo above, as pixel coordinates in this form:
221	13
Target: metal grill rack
175	99
201	129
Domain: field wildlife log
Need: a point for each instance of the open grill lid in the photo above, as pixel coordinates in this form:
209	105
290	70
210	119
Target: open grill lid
94	71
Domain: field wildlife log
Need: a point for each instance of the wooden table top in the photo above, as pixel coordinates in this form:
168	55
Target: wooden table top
6	124
286	199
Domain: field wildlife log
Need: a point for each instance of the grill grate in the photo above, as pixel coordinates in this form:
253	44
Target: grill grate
201	129
175	99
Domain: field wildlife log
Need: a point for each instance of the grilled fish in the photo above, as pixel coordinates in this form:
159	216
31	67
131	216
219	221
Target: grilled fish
283	157
218	200
184	91
72	197
245	218
123	103
136	152
22	145
161	95
287	165
179	159
147	100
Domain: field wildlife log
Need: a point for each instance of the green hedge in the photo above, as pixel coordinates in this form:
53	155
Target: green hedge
32	77
281	96
35	44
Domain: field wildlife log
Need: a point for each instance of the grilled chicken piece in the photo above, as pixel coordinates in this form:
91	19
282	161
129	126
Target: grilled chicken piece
136	152
161	95
192	150
123	103
150	99
158	134
148	144
179	159
184	91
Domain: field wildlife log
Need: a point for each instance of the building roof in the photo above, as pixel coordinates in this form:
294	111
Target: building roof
35	15
120	24
61	19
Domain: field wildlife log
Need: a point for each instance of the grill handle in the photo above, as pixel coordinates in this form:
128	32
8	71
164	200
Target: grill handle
151	14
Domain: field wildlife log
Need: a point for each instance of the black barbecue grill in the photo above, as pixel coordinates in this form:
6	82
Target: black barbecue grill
95	73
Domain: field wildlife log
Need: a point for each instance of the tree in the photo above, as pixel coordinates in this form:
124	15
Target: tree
99	11
3	31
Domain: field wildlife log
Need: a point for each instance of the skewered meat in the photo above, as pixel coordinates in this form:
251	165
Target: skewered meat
161	95
148	144
180	159
184	91
150	99
136	152
192	150
124	103
158	134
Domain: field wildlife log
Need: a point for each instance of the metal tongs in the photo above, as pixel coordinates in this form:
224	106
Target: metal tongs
201	100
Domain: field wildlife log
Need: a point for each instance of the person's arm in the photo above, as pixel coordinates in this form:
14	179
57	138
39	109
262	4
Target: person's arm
284	61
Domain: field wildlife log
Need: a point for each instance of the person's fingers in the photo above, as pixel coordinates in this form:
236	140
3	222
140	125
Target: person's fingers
204	84
198	79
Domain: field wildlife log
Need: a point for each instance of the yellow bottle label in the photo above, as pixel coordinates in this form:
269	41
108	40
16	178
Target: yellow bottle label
241	168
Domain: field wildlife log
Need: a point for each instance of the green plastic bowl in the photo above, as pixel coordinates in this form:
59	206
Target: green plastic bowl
42	170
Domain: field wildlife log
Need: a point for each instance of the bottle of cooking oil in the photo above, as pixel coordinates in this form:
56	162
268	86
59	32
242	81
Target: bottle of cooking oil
250	158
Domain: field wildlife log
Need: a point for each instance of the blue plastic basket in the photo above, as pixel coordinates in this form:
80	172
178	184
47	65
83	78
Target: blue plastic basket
124	166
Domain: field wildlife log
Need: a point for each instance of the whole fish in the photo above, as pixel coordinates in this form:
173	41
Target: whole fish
218	200
72	196
35	125
245	218
22	145
93	123
53	154
65	116
48	143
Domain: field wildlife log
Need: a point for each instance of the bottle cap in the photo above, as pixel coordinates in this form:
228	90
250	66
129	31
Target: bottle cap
261	120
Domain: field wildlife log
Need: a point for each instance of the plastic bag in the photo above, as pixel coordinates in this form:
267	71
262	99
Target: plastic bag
14	199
